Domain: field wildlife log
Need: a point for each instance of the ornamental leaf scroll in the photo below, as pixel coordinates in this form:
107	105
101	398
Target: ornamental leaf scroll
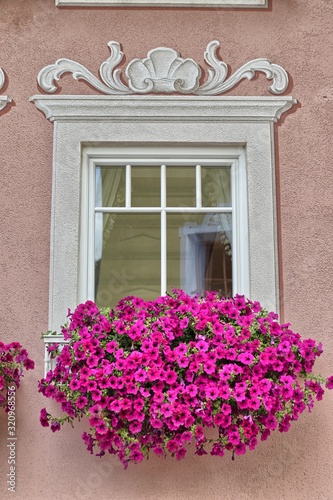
2	78
163	71
4	100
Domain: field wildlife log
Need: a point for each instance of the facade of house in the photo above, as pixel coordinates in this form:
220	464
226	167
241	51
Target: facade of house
219	114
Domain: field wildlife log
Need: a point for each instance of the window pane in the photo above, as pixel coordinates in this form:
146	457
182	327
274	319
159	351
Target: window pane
199	252
216	190
129	262
180	186
110	187
146	186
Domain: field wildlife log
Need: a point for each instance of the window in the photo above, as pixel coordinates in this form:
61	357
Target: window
164	3
157	218
217	152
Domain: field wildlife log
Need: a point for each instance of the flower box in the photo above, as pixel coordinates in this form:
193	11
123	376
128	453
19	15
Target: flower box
151	377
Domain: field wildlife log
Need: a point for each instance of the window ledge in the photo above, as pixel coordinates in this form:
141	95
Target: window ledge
164	3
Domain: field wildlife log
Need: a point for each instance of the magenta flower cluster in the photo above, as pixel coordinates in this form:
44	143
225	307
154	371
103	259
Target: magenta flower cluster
153	376
13	359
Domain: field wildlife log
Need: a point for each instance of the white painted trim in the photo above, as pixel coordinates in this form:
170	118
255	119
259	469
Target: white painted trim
161	121
198	196
163	3
171	156
128	184
89	271
169	210
164	270
240	226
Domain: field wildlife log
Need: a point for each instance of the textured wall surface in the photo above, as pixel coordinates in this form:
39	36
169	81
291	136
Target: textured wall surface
296	34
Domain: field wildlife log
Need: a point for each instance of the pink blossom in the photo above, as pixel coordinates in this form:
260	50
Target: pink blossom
158	450
246	358
81	402
240	449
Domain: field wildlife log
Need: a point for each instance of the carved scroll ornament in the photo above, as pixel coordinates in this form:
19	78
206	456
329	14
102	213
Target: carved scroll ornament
163	71
4	100
2	78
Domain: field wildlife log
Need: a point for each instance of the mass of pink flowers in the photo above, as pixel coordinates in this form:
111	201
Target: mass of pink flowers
154	376
13	360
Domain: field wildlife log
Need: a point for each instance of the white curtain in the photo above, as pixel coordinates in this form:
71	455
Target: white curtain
216	188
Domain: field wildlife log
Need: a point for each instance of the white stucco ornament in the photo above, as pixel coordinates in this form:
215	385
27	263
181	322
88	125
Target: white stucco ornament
163	71
2	78
4	100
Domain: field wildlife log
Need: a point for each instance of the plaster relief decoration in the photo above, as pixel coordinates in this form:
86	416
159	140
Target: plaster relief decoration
163	71
4	100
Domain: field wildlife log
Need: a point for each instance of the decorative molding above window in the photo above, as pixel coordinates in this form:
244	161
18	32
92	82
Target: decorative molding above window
163	71
164	3
4	100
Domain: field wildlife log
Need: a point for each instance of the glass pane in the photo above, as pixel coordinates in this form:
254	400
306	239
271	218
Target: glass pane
146	186
110	187
129	260
180	186
216	189
199	253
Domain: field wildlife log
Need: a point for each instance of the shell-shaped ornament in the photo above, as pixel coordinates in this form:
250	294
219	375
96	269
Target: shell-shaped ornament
163	71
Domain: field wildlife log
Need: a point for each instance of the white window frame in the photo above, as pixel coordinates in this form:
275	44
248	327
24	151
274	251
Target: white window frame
233	157
164	3
81	121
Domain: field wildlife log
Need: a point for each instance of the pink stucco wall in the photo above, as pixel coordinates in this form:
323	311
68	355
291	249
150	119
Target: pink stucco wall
296	34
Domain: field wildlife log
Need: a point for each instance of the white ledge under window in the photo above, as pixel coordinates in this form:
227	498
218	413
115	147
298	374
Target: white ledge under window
164	3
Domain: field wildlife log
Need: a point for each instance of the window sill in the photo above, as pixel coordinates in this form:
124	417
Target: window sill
164	3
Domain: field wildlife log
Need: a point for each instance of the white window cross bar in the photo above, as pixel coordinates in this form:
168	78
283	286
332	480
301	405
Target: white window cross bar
119	210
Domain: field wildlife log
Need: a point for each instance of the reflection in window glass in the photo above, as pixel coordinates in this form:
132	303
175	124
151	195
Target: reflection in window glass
216	190
130	263
146	186
180	186
197	258
110	187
